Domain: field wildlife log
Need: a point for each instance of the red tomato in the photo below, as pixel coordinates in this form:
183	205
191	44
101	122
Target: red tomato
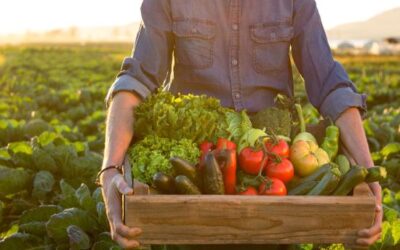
272	186
280	148
223	143
282	170
249	191
250	160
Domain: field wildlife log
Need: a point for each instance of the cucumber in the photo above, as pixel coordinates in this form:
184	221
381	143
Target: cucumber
184	185
213	181
376	173
303	188
344	164
316	175
333	183
183	167
354	176
163	183
326	185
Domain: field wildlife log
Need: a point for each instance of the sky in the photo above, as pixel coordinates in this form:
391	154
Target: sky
19	16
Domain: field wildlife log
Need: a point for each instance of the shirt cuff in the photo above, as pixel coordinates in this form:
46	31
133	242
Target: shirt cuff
341	99
126	83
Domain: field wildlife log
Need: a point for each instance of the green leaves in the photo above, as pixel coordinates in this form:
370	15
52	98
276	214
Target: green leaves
196	118
86	202
21	154
42	184
152	154
78	239
13	180
250	138
390	238
238	124
20	241
43	161
58	223
68	198
36	127
389	149
40	213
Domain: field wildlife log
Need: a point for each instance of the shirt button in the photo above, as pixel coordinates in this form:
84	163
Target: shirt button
235	26
234	62
237	95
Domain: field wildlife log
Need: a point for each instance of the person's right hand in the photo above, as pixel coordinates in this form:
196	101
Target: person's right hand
114	185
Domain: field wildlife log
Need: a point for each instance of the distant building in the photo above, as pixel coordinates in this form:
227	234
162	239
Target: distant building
378	48
346	46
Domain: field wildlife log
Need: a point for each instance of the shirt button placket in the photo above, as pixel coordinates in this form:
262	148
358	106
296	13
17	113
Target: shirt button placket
234	62
234	54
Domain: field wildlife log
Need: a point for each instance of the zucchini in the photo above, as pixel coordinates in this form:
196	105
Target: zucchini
376	173
182	167
163	183
316	175
212	176
344	164
303	188
333	183
355	176
185	186
326	185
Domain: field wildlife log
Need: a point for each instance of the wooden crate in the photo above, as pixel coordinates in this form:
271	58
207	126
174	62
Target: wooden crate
234	219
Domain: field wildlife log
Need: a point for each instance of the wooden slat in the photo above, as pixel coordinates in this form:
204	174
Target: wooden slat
228	219
208	219
362	190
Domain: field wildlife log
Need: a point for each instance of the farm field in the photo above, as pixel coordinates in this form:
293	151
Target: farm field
52	122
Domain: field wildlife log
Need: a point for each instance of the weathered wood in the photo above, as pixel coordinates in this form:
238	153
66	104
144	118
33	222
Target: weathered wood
139	188
362	190
127	171
213	219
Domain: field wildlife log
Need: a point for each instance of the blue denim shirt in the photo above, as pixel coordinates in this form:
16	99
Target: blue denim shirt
237	51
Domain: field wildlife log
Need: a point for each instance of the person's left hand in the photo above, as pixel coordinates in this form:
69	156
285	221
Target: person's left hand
368	236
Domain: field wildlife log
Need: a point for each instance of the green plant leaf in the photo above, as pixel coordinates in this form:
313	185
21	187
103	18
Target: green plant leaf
42	184
58	223
391	148
78	239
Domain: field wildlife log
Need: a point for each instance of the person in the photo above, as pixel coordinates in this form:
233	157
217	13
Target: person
239	52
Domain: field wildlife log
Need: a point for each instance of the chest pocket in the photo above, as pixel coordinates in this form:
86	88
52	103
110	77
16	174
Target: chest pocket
271	44
194	41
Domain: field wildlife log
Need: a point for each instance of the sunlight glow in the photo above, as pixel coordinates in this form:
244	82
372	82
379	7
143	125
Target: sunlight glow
18	16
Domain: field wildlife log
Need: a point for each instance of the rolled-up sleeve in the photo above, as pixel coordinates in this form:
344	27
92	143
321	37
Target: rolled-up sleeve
328	86
147	68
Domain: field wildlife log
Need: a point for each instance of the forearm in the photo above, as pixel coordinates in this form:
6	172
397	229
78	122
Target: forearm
119	127
353	137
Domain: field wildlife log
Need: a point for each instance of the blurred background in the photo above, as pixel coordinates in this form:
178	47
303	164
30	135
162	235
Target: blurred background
352	25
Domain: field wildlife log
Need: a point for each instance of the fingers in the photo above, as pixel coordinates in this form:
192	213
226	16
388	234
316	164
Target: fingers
128	232
368	241
369	236
124	242
375	229
121	185
370	232
124	235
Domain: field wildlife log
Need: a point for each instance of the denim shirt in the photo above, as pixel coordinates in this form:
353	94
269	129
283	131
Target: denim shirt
237	51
